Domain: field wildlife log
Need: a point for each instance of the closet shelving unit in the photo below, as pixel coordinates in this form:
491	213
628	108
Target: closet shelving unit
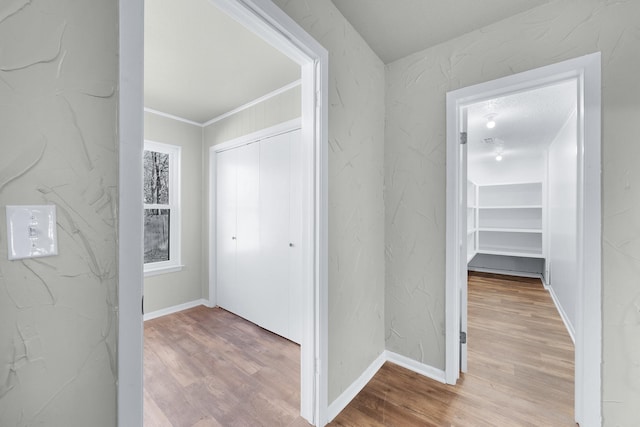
507	219
472	220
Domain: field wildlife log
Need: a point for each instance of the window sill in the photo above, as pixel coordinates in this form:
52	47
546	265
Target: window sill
162	270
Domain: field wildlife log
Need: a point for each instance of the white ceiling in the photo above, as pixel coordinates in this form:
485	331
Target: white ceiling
526	123
199	63
397	28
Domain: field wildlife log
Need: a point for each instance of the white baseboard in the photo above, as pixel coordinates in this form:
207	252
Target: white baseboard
387	356
544	281
347	396
563	314
175	309
415	366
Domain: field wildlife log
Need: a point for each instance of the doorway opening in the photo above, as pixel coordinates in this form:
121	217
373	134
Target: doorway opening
277	29
525	237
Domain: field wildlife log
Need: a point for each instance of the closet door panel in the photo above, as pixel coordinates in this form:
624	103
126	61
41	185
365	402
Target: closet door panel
295	236
259	233
274	234
248	232
226	189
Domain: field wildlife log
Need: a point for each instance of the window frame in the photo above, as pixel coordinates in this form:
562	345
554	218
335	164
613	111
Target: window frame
174	263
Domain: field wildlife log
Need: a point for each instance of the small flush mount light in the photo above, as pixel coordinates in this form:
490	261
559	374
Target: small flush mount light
499	149
491	121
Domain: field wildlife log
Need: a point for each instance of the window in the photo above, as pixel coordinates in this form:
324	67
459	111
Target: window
161	163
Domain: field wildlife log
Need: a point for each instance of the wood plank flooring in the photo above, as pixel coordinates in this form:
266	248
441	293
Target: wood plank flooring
520	368
208	367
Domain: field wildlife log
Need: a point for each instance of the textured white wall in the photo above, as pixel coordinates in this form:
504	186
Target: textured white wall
415	174
170	289
356	209
58	315
562	225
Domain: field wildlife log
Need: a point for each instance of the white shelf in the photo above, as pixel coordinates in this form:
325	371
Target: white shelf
512	207
526	254
519	218
510	241
518	194
506	219
472	220
511	230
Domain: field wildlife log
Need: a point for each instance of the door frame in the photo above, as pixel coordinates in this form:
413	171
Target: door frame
271	24
588	341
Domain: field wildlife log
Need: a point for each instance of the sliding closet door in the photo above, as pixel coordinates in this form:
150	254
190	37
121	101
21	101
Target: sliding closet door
258	231
274	234
248	258
226	208
238	229
295	236
280	235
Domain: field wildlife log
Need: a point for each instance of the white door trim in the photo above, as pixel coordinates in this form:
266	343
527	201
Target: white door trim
130	209
278	29
587	71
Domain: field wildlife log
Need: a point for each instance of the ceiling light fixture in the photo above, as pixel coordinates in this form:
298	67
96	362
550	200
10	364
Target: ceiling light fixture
499	149
491	121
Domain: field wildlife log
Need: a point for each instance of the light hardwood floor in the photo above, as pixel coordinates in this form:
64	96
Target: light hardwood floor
520	368
208	367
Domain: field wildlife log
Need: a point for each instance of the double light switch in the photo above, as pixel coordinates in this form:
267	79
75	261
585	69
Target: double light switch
31	231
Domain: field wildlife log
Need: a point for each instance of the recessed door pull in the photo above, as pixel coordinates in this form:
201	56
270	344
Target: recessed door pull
290	245
233	237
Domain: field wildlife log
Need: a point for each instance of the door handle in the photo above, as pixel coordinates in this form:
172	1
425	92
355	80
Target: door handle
290	245
233	237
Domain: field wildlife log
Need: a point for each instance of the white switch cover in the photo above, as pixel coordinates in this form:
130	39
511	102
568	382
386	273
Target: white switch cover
31	231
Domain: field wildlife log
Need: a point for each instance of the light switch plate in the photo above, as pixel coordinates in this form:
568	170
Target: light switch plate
31	231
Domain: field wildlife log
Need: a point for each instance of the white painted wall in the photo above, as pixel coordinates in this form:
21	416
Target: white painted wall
356	206
185	286
562	220
415	174
58	145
